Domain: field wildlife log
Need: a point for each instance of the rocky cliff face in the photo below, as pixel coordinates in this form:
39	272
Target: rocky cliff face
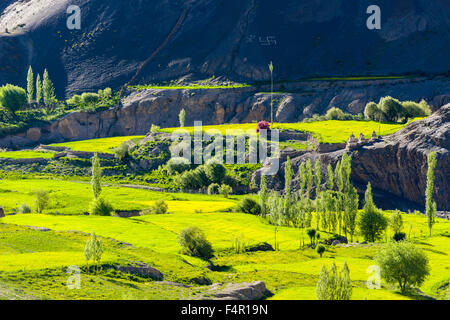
396	166
141	109
150	41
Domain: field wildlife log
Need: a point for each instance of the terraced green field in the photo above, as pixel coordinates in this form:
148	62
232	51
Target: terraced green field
103	145
25	154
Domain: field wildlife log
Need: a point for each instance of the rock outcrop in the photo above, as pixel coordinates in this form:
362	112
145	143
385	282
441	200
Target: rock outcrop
240	291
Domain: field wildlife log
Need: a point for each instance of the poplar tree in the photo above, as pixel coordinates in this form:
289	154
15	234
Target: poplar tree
263	195
96	177
309	177
302	178
330	177
30	85
48	89
38	89
317	176
430	206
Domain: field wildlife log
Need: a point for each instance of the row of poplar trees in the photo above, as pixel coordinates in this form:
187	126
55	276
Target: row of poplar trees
334	208
40	91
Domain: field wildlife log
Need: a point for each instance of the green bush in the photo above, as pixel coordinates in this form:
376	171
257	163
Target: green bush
392	108
334	114
225	190
403	263
90	98
320	249
213	188
42	200
193	179
193	243
75	100
399	236
24	208
160	207
122	151
372	112
215	172
248	205
100	207
178	165
413	109
12	98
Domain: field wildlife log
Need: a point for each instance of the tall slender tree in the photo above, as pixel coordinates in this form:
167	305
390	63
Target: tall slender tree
96	177
48	89
309	177
30	85
330	177
302	178
318	176
263	196
38	89
430	206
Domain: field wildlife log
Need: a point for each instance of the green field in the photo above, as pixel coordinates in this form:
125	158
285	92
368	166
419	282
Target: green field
289	273
33	262
103	145
331	131
25	154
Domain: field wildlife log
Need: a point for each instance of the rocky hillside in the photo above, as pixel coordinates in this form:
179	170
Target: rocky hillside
396	166
150	41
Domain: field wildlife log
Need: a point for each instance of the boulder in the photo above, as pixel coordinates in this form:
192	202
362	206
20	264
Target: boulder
240	291
2	213
260	247
142	270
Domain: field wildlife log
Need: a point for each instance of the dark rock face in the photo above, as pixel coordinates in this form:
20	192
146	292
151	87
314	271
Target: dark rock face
158	40
142	270
396	166
399	165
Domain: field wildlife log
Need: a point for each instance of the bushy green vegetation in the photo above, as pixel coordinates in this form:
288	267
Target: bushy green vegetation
392	110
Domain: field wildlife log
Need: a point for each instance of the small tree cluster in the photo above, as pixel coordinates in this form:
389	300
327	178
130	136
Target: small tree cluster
93	250
334	285
392	110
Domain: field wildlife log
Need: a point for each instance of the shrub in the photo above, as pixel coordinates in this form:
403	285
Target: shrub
193	243
320	249
12	98
160	207
24	208
225	190
155	128
75	100
42	199
372	222
372	111
391	108
215	171
403	263
412	109
89	98
177	165
248	205
335	114
100	207
122	151
399	236
396	221
213	188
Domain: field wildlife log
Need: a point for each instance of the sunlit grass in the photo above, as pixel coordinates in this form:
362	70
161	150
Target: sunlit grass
103	145
26	154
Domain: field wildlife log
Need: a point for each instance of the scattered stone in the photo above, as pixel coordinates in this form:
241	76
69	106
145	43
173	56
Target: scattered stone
240	291
335	242
127	213
142	270
261	247
203	281
38	228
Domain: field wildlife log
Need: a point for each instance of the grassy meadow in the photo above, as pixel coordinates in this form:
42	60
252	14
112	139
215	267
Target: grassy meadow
34	263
